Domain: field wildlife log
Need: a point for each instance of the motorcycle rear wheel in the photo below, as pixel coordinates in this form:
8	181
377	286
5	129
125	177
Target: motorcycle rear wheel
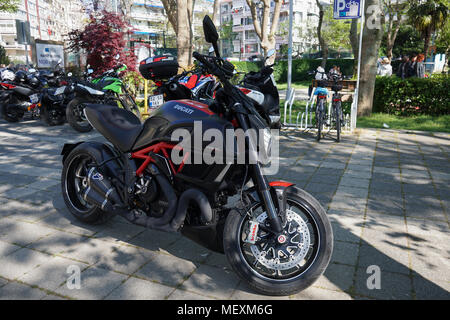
11	115
74	183
271	267
74	115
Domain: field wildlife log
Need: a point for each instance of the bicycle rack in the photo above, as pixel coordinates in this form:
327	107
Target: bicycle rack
306	117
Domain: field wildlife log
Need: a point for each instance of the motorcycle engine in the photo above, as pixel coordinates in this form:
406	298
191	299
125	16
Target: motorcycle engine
146	193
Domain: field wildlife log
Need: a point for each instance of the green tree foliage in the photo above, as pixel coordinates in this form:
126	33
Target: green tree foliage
428	17
9	5
336	31
408	41
3	57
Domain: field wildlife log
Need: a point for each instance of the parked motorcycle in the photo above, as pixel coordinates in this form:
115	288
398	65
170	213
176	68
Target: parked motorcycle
261	87
277	238
201	86
21	97
108	88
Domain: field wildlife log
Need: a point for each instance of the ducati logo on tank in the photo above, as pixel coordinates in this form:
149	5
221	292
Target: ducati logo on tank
183	109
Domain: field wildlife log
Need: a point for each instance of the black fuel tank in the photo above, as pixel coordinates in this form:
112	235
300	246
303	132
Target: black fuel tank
178	114
186	114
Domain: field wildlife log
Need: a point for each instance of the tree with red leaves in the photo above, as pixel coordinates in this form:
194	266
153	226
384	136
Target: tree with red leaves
103	38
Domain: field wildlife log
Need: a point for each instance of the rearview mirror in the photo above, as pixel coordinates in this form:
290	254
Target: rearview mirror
211	35
210	31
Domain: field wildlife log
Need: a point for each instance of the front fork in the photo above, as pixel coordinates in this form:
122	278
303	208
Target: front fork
262	185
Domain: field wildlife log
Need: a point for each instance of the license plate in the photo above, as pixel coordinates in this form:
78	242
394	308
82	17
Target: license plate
156	101
34	98
60	90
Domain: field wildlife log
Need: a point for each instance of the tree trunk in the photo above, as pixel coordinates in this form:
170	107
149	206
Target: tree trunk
216	13
322	41
369	55
427	42
261	24
183	33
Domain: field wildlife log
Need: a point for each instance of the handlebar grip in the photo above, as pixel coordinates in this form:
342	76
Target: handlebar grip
202	59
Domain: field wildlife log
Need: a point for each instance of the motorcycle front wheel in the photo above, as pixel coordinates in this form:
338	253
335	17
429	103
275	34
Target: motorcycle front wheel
286	263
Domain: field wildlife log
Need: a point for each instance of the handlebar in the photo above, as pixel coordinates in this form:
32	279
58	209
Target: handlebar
203	60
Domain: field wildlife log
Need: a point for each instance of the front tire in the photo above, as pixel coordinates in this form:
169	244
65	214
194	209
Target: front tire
263	272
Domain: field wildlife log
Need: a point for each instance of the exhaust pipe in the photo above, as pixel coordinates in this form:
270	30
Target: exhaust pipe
102	193
187	196
161	223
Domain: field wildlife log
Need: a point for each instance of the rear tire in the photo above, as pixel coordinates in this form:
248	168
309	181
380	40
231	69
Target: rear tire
275	284
74	118
73	185
52	118
12	115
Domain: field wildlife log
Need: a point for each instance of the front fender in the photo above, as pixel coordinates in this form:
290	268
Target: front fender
278	190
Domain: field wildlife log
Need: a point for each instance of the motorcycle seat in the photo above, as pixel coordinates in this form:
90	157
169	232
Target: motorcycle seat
119	126
90	84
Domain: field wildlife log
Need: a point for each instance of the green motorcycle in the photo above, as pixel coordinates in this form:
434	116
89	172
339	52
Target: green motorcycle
107	88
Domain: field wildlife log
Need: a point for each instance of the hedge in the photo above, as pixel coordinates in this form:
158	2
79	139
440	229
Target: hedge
429	96
300	68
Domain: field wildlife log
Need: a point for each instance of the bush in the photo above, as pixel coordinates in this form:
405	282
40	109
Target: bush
300	68
428	96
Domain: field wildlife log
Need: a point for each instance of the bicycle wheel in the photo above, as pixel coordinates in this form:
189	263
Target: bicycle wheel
337	114
319	119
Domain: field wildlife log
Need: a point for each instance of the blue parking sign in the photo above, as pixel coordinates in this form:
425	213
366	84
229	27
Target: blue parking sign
347	9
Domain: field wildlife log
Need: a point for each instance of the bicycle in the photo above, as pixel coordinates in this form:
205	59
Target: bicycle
336	106
322	94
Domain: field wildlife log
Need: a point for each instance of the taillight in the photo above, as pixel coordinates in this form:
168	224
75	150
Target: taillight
245	90
7	85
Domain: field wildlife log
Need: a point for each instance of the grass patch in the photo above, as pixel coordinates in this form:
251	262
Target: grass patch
420	123
296	85
298	106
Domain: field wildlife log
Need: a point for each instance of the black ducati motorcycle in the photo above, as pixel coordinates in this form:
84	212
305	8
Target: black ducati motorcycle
276	237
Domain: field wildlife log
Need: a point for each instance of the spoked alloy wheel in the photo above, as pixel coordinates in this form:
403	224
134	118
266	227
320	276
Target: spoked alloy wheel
74	184
286	255
285	263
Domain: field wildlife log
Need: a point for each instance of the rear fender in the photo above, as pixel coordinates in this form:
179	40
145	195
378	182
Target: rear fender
106	156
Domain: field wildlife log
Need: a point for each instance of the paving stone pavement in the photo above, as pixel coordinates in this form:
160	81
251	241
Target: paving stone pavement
387	194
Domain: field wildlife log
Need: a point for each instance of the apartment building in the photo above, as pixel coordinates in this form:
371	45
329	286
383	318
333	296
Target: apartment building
49	20
151	27
246	44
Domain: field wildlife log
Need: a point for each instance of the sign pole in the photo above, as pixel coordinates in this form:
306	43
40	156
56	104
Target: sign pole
355	109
